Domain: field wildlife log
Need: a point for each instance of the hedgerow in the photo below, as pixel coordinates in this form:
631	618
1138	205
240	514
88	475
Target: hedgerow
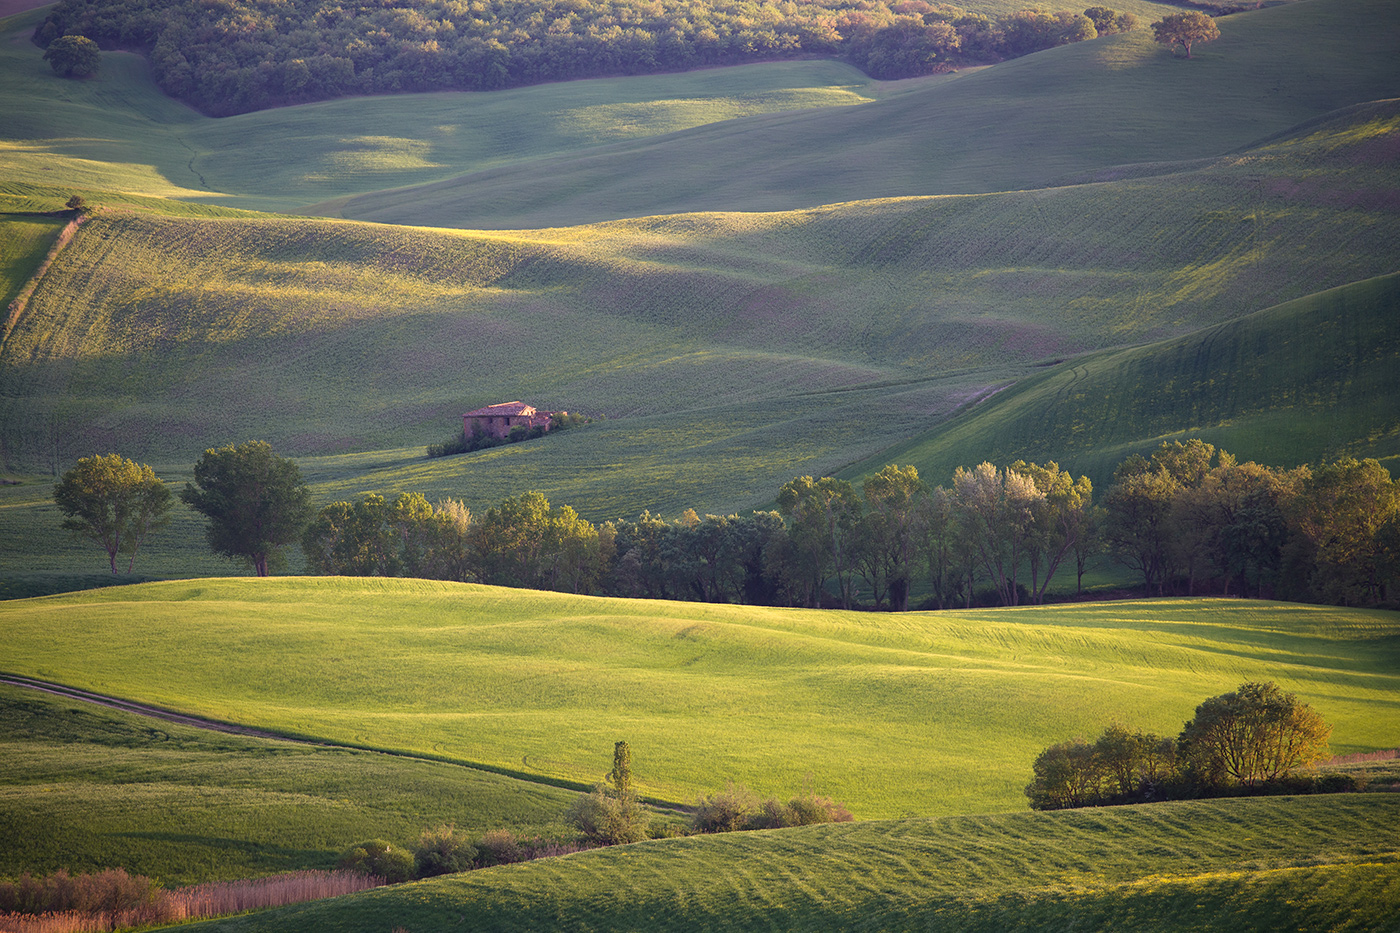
244	56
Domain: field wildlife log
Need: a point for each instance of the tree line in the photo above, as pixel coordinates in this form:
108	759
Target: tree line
232	56
1189	520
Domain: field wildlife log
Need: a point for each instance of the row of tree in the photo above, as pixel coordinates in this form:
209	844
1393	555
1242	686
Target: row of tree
233	56
1189	519
1247	741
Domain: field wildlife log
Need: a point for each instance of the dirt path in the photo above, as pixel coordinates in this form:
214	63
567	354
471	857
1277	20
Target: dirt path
142	709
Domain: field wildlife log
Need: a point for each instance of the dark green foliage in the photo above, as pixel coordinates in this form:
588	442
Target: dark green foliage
478	439
379	858
258	56
74	56
255	501
113	501
443	851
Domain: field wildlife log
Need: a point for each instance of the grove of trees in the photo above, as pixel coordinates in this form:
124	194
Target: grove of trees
235	56
1188	520
1254	739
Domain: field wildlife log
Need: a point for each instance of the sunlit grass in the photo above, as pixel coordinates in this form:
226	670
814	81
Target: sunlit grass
927	713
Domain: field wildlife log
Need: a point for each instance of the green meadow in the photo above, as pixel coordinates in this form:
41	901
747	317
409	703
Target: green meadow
1066	115
1311	380
86	788
919	713
1245	865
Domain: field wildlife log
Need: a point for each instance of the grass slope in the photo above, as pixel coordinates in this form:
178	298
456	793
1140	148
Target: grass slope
930	713
86	788
171	334
1312	380
1245	865
118	132
1023	124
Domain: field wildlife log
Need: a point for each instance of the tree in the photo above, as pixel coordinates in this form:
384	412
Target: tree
1254	734
996	511
891	531
1350	513
1185	29
255	501
74	56
1108	21
115	502
1066	775
352	539
821	518
612	814
1060	519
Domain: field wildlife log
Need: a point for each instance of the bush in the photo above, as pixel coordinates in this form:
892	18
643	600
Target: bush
726	811
443	851
810	809
609	820
380	859
500	847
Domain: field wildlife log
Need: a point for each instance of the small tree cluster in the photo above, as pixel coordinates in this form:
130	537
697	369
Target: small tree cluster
1245	741
737	808
465	443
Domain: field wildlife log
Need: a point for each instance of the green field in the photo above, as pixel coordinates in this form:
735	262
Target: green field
1070	114
925	713
1312	380
1244	865
86	788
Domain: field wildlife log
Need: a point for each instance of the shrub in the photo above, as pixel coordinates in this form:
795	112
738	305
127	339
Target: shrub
379	858
810	809
500	847
443	851
726	811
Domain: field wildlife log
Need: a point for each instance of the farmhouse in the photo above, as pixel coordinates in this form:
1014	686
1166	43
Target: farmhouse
497	420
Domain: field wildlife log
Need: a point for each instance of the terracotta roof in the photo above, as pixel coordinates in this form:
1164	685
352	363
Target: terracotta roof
515	409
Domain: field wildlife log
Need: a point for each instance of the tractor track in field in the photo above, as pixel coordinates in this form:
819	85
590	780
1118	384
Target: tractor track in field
215	725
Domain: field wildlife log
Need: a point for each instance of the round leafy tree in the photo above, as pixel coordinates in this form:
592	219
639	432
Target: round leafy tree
74	56
1185	29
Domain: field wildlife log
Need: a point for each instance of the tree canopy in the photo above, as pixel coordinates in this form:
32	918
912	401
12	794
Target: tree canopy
1185	30
255	501
74	56
242	55
113	501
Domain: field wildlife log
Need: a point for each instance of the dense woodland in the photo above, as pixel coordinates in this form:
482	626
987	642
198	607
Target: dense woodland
234	56
1189	520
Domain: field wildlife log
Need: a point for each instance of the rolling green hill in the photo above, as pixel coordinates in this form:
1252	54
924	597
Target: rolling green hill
927	713
1246	865
87	788
1312	380
1027	123
119	133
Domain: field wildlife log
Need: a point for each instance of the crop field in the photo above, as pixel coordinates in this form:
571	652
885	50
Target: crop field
1067	114
86	788
1243	865
1308	381
927	713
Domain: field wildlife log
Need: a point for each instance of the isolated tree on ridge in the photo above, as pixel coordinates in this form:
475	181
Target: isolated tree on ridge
255	501
1185	29
115	502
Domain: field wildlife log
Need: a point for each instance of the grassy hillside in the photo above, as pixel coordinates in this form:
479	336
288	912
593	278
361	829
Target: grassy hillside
730	332
1023	124
1311	380
118	132
928	713
1248	865
86	788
